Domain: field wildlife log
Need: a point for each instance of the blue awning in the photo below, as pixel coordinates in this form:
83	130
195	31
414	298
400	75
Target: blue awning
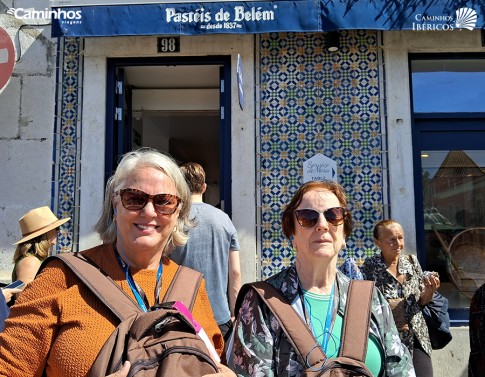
250	17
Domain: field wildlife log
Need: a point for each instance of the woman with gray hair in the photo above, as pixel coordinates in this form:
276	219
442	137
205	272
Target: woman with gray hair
58	325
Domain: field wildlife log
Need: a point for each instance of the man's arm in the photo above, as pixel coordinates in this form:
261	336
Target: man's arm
234	279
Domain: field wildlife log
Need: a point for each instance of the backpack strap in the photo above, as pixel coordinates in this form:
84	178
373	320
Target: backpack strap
293	326
184	287
105	289
355	332
356	322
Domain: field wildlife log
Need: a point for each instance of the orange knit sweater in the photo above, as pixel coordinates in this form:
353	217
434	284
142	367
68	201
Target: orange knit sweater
58	325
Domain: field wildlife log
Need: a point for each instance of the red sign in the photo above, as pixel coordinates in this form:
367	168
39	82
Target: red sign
7	57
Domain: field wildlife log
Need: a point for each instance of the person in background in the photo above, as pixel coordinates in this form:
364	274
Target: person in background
400	278
213	249
5	297
39	229
476	361
317	222
58	326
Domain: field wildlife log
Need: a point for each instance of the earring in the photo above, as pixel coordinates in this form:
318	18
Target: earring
174	229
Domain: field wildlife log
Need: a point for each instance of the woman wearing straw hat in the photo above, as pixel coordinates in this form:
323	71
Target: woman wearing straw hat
39	229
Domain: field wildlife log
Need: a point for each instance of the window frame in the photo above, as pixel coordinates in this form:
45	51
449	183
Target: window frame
441	131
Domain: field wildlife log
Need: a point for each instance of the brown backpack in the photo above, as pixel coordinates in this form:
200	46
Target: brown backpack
355	332
162	342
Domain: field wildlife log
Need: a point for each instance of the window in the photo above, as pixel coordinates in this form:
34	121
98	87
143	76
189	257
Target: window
449	162
448	85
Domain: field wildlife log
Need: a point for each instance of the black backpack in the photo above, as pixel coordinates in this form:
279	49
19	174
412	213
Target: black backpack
161	342
355	332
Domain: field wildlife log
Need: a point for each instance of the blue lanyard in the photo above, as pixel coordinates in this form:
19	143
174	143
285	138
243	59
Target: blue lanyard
140	296
328	319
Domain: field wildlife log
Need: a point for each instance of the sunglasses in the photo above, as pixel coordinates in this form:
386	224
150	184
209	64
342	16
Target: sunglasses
136	200
308	217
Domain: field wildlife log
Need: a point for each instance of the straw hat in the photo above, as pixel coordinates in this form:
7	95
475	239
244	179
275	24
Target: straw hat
38	221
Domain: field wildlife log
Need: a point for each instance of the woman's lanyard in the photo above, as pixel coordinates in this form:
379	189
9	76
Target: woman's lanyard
140	296
329	319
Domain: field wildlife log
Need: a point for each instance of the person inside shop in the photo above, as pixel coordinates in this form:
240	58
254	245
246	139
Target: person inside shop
58	325
399	277
317	222
39	228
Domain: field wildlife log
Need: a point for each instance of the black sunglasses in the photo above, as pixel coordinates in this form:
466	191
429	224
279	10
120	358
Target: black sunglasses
308	217
136	200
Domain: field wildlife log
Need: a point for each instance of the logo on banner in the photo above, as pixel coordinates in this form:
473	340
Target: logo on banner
66	16
464	18
7	57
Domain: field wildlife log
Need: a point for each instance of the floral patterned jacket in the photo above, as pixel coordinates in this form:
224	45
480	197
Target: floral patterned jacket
374	268
260	348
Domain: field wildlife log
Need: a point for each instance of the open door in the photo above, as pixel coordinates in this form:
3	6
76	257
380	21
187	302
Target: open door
180	106
225	147
119	115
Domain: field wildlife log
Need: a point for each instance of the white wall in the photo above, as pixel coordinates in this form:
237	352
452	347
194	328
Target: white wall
242	122
453	360
26	127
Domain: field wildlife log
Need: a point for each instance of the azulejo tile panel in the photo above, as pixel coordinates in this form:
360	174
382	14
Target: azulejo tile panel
67	140
313	101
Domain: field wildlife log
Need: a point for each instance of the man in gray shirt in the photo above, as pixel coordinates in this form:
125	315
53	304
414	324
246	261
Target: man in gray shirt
212	249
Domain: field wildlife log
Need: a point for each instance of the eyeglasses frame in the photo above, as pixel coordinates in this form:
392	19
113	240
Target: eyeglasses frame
345	212
149	197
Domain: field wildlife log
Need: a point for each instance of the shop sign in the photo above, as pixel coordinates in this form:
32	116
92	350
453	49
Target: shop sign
319	168
91	18
187	18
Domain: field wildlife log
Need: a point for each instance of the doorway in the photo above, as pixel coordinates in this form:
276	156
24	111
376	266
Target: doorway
178	106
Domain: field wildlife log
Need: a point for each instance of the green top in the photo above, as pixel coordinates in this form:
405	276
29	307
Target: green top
316	306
